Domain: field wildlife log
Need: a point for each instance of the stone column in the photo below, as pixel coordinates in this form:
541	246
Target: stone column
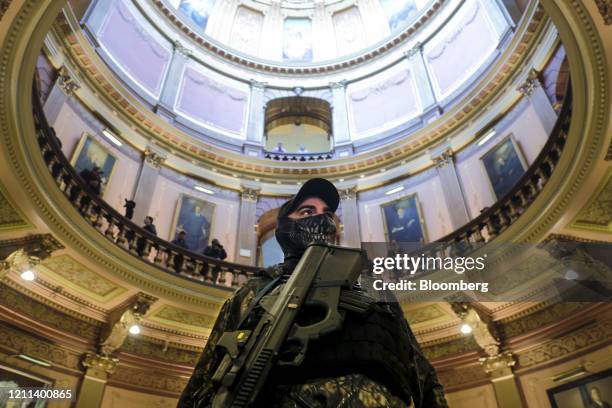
532	89
322	31
65	86
257	112
451	188
499	368
350	217
340	124
271	32
416	63
374	18
246	250
221	20
170	88
146	182
98	368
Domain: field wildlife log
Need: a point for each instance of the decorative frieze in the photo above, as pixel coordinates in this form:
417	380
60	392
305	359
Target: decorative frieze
250	194
444	159
349	193
605	9
100	362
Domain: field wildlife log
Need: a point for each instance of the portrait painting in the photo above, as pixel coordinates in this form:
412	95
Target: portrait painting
504	166
297	40
197	10
89	153
194	216
16	379
593	391
403	221
399	13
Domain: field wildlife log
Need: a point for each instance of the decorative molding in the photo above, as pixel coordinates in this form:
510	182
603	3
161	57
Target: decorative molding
596	214
498	365
349	193
121	320
155	159
532	82
148	379
250	194
181	49
445	158
338	85
533	321
450	348
416	50
454	378
100	362
605	9
66	81
156	349
181	317
587	336
46	315
10	218
20	342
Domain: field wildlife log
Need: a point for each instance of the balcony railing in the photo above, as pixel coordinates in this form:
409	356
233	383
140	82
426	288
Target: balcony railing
298	157
121	230
163	254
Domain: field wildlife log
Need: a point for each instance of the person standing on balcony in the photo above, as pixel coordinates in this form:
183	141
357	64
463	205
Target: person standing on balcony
215	250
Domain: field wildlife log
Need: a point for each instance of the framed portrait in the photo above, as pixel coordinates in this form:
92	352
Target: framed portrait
504	165
297	35
403	220
89	153
197	10
594	391
14	378
194	216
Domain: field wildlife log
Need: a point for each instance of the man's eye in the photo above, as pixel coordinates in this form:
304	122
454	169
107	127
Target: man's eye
306	212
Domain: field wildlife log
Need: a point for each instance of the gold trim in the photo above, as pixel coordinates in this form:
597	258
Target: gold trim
419	213
577	224
79	149
15	226
519	153
177	210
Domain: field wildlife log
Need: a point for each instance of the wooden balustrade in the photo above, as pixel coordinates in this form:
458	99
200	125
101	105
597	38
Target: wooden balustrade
169	257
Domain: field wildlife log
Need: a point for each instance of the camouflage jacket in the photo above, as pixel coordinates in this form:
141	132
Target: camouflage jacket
329	381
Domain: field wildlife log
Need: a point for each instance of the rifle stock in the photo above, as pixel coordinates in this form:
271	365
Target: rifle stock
316	281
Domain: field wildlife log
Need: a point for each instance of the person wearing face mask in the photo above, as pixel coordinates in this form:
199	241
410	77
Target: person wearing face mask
374	360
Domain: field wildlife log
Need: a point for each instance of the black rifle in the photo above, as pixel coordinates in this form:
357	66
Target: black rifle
317	281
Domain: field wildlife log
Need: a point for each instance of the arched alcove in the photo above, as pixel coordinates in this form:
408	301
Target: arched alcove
298	125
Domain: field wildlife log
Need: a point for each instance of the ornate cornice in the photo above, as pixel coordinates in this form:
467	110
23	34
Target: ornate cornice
250	194
323	67
605	9
532	82
586	337
155	159
184	145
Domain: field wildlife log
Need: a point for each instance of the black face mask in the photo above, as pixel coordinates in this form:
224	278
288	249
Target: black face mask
294	235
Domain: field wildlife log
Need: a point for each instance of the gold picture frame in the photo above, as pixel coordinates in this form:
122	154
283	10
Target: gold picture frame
193	225
498	191
89	152
417	205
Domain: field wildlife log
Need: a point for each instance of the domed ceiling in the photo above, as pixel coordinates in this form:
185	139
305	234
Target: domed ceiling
299	31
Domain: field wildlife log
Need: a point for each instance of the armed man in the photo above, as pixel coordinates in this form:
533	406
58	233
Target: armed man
303	334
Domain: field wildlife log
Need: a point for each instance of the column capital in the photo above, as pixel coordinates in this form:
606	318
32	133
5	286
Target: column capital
528	87
415	50
258	84
443	159
250	194
338	85
348	193
498	365
100	362
181	49
155	159
66	81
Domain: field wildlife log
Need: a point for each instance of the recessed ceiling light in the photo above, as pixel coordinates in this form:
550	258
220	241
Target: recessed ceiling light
394	190
203	189
362	176
135	329
111	136
340	180
466	328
